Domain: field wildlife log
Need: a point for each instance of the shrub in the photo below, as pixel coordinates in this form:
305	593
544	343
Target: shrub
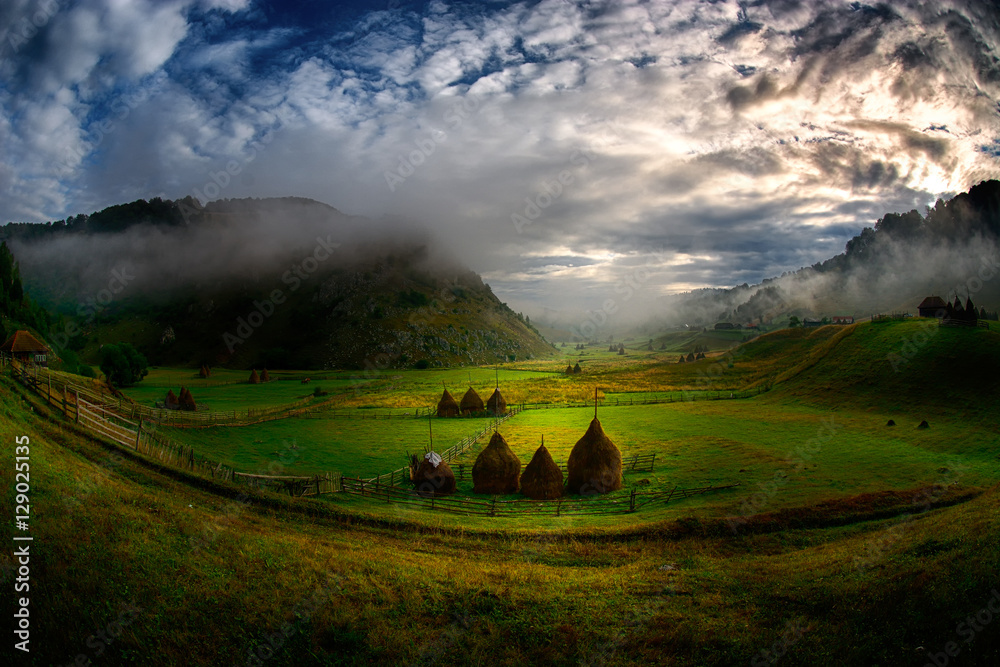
123	365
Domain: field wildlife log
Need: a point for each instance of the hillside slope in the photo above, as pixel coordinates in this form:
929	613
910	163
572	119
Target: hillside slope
892	365
280	283
217	578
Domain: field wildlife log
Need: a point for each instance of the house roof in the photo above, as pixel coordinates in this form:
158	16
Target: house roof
933	302
23	341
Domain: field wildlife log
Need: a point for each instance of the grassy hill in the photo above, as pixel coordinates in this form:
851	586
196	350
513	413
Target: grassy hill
215	578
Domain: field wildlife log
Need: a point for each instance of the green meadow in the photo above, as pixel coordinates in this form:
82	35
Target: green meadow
870	542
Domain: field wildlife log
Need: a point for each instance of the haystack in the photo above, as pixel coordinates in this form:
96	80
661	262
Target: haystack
265	376
923	424
569	370
542	478
471	402
690	356
496	403
432	476
681	360
447	406
621	350
187	400
577	369
497	469
595	464
254	378
891	422
171	402
204	372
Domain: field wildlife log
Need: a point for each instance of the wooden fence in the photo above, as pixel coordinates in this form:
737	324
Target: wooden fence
616	503
101	419
58	385
449	454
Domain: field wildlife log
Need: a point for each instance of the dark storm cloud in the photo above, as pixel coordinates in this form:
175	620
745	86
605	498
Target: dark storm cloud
722	140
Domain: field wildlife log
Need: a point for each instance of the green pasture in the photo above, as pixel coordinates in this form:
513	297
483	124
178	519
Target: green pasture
300	446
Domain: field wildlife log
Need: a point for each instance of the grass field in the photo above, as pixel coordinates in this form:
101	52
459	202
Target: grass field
856	542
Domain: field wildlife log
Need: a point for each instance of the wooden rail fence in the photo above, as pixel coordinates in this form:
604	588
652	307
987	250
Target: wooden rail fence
102	420
620	503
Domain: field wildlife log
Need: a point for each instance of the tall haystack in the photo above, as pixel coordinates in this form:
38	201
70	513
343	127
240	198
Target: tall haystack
187	400
577	369
171	402
448	406
265	376
497	469
471	403
542	478
496	403
432	476
621	350
204	372
595	464
569	369
254	378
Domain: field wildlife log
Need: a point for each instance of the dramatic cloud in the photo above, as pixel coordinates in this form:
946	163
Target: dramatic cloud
560	147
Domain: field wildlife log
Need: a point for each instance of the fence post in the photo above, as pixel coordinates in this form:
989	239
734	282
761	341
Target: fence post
65	411
631	502
76	393
138	434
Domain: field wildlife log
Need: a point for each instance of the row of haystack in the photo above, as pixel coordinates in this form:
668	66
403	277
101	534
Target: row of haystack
257	379
204	372
595	466
183	402
573	370
471	404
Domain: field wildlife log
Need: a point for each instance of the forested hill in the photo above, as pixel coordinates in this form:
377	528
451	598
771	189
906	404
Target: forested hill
286	283
949	250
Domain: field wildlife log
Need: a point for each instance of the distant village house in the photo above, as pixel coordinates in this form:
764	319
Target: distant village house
24	347
842	319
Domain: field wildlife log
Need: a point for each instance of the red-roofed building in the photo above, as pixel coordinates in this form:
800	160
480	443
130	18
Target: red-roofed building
24	347
842	319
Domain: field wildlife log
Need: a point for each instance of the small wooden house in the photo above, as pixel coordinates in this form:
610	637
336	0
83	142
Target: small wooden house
932	306
24	347
842	319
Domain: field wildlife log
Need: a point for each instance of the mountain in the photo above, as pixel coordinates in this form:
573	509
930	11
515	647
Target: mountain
950	251
281	283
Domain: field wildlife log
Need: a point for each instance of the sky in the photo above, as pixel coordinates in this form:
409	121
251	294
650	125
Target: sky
568	151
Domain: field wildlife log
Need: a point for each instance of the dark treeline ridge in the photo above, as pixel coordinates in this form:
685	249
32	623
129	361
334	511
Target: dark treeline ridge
157	212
